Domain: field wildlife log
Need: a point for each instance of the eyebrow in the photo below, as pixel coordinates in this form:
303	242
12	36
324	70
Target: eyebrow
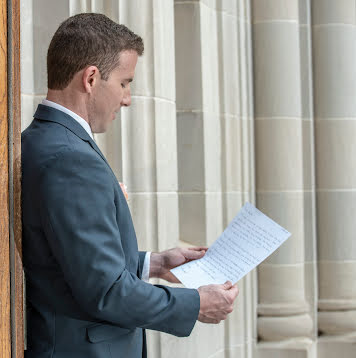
128	79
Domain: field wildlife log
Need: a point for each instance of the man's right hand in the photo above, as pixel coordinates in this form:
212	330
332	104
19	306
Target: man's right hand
216	302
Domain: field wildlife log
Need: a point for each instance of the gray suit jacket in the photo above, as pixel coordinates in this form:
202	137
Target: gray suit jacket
85	297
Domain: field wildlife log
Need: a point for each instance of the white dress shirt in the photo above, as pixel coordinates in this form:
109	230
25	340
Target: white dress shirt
86	126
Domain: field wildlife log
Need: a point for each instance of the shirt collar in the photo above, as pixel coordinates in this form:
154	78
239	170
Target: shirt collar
79	119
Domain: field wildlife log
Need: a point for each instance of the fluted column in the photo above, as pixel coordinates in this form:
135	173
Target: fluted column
284	172
215	147
335	109
237	157
199	147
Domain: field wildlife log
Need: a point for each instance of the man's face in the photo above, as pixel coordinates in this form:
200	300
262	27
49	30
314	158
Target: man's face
108	96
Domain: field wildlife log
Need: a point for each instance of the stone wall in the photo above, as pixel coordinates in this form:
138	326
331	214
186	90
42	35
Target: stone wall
235	101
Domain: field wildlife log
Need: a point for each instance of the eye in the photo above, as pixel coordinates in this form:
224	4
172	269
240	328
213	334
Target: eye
122	85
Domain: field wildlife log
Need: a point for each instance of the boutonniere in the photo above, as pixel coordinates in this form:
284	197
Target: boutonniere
124	190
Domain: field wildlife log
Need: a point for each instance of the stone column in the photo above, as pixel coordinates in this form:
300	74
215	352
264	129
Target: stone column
284	174
215	147
335	109
199	146
237	163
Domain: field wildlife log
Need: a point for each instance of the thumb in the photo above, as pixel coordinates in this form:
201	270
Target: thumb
227	285
193	255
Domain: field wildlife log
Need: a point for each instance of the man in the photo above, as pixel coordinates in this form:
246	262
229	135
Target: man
85	292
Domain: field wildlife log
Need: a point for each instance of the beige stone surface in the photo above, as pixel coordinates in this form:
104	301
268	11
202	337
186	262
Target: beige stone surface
280	328
295	348
231	152
335	150
145	70
138	145
192	218
306	70
334	12
229	76
304	13
342	274
190	151
281	284
188	55
29	104
278	167
336	220
308	144
329	347
275	10
337	323
334	55
276	70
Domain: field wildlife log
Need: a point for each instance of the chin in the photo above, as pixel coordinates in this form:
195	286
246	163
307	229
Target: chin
100	130
101	127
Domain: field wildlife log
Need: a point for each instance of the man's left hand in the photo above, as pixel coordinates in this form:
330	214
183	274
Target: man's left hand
162	262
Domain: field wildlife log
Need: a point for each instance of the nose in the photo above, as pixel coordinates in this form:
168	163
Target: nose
126	99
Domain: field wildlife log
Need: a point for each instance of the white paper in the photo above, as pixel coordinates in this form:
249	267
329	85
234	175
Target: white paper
248	240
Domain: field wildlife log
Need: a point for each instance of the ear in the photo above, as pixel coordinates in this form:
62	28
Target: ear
90	78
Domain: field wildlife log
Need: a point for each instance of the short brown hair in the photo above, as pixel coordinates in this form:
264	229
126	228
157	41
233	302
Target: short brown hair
85	40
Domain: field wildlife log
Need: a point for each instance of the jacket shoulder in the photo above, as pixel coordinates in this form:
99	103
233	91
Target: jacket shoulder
44	141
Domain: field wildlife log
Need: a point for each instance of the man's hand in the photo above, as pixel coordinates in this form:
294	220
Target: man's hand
216	302
164	261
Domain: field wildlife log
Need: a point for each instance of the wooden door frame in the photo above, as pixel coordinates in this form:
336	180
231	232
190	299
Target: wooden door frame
11	270
14	110
5	325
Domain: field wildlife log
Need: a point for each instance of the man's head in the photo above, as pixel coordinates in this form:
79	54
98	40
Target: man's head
94	57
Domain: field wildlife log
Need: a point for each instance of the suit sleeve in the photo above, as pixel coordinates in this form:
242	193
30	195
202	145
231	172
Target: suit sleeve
79	219
141	260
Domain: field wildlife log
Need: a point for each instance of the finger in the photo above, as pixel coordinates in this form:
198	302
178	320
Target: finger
193	254
235	291
210	320
229	310
232	293
205	319
199	248
227	285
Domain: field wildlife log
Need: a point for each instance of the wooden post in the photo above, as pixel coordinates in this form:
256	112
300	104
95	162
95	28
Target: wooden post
5	325
11	278
14	109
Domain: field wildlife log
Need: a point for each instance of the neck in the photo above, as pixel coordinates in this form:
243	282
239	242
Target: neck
70	100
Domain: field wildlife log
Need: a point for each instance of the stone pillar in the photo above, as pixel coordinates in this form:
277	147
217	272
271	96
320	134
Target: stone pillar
215	146
237	163
284	174
199	147
335	110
